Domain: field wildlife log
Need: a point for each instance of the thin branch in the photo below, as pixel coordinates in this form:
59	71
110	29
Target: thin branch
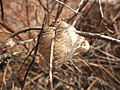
26	41
60	8
81	5
98	36
102	16
67	6
101	10
5	56
2	10
35	52
51	63
42	5
48	12
84	12
8	28
19	43
36	84
26	30
81	2
25	76
74	86
27	12
91	85
54	3
26	59
85	34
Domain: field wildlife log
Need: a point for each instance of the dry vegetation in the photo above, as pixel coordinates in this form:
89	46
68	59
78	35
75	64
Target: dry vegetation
97	69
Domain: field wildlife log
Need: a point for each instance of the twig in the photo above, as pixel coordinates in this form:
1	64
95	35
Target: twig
60	8
2	10
34	79
85	34
27	29
51	63
19	43
67	6
26	41
6	57
74	86
54	3
77	10
27	12
35	52
107	72
98	36
76	67
101	11
35	83
102	16
8	28
91	85
26	59
42	5
84	12
48	12
81	2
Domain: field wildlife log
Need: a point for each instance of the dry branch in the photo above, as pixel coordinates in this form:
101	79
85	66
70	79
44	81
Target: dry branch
76	12
85	34
98	36
19	43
